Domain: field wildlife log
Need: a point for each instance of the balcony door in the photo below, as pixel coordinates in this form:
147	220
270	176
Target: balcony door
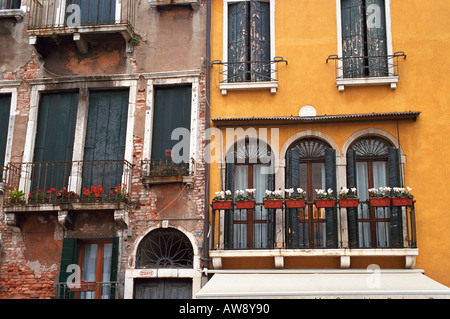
310	165
248	167
95	12
54	140
104	149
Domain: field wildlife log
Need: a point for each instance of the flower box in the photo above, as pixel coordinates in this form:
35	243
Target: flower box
222	204
245	204
348	202
402	201
273	203
295	203
325	203
379	201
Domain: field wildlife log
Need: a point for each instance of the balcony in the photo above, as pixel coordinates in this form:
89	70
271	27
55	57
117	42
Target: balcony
52	18
313	231
87	290
67	186
164	171
249	75
367	70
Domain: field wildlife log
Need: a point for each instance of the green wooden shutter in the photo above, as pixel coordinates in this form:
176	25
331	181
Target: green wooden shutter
54	140
352	213
260	40
352	16
230	172
376	38
114	266
292	214
394	175
5	105
95	12
172	110
105	138
331	213
238	38
69	255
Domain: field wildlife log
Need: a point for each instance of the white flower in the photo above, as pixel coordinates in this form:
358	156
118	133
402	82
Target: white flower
300	190
353	189
217	193
409	189
289	191
228	192
268	193
330	191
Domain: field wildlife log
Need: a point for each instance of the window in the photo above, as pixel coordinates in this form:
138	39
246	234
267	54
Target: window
9	4
98	263
249	41
5	105
248	166
310	165
94	12
364	40
373	162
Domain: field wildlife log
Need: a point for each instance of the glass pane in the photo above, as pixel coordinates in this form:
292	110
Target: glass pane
379	174
318	176
89	267
304	179
107	256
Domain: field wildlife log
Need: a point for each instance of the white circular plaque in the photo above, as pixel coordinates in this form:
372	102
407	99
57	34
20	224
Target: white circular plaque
308	110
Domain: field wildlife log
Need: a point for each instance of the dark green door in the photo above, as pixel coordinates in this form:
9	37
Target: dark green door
105	139
54	140
5	104
163	288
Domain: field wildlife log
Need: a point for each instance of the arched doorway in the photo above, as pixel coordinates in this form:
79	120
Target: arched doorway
164	249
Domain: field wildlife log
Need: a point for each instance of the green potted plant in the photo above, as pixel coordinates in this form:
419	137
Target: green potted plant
16	196
324	199
94	194
295	200
402	196
273	199
245	202
40	196
348	197
222	200
120	194
380	197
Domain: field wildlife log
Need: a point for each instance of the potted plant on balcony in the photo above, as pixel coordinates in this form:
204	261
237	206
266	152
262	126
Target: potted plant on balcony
380	197
295	200
273	199
348	197
245	202
65	196
16	196
40	196
94	194
223	200
324	199
402	196
120	194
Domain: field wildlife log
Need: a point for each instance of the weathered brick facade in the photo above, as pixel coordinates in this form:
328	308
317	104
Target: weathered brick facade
31	242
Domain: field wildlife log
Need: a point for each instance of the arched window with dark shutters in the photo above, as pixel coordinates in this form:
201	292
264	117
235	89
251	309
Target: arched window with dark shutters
311	165
373	162
250	166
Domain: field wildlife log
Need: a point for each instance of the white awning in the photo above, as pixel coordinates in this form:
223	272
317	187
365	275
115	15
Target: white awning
354	284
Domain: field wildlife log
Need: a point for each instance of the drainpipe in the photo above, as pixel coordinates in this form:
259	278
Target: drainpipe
207	126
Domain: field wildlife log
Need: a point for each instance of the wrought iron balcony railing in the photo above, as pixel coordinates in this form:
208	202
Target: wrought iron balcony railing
68	182
310	227
87	290
249	71
164	168
366	66
65	15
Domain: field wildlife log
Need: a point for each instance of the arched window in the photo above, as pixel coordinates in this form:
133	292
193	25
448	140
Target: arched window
373	162
165	248
250	166
311	165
